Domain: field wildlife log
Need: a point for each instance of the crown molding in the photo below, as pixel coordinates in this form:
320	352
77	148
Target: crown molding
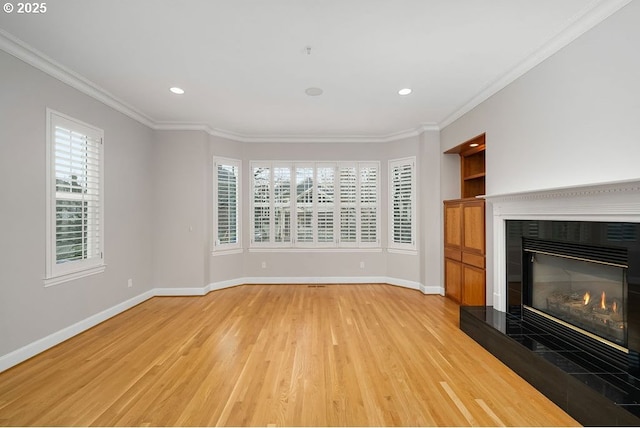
21	50
593	14
42	62
284	138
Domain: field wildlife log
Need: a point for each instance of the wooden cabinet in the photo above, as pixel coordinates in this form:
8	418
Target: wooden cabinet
464	251
464	228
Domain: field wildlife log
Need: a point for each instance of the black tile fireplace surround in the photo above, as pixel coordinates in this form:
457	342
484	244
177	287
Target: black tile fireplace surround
595	383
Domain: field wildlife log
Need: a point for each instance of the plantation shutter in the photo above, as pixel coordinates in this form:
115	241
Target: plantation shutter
76	221
326	177
348	198
282	203
261	203
315	204
402	203
227	204
304	204
368	204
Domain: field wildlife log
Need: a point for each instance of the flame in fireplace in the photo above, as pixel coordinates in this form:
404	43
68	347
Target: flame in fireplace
614	307
586	298
603	301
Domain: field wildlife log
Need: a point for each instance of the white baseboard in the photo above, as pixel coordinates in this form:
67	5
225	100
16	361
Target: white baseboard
176	291
16	357
433	289
19	355
325	280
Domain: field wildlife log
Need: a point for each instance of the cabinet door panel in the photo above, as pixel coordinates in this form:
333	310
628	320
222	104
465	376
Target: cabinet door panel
473	238
473	286
453	279
453	225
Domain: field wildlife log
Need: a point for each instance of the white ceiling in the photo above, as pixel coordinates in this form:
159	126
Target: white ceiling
245	67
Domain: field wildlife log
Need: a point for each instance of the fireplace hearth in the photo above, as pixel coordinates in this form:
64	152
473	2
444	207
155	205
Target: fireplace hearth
571	329
572	320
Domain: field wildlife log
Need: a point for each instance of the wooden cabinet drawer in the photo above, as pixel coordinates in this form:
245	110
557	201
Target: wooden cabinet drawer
452	254
473	260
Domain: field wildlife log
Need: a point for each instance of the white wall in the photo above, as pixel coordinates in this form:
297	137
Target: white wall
571	120
28	310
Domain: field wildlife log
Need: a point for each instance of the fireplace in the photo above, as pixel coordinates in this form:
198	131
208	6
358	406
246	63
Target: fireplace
565	281
586	295
572	278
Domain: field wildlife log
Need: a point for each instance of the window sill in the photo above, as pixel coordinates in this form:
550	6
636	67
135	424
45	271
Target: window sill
55	280
227	252
314	250
402	251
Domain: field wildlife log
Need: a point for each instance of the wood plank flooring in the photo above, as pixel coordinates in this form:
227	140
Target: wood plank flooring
285	355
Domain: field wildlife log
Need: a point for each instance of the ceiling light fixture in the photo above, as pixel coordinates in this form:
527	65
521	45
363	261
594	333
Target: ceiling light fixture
176	90
313	92
405	91
474	145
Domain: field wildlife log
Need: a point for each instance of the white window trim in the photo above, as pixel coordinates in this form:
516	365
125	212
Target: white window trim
59	273
227	248
396	247
295	243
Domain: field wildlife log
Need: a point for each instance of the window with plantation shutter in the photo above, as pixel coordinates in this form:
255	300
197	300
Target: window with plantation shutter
75	220
368	204
348	198
326	207
282	204
305	231
226	189
261	204
402	234
315	204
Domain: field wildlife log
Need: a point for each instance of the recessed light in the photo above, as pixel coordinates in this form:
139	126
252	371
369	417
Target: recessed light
474	145
176	90
405	91
313	92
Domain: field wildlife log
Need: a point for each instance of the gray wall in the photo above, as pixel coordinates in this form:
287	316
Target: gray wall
429	198
28	310
182	189
158	215
571	120
292	263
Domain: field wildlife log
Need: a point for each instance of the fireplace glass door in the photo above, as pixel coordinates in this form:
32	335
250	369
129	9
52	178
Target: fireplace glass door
588	295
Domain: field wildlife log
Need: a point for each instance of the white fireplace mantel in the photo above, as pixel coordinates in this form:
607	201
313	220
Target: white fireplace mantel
614	201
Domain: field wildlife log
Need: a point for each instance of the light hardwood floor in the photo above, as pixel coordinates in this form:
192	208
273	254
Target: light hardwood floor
294	355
